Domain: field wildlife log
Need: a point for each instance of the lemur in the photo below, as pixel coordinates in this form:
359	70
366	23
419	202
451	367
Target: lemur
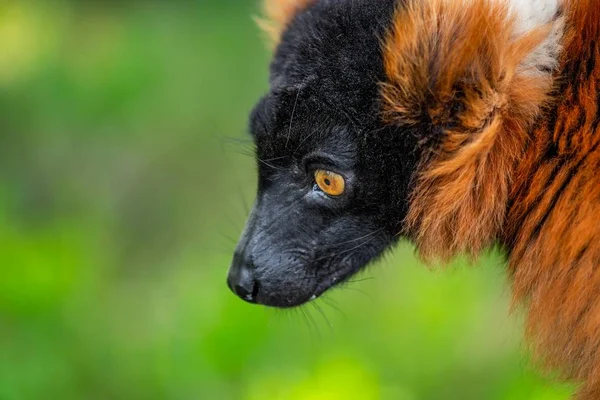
456	124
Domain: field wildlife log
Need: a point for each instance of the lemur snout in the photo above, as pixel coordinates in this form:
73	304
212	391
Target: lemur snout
241	279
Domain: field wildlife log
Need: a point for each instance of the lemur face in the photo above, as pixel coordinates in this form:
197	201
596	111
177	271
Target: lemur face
327	204
384	118
333	180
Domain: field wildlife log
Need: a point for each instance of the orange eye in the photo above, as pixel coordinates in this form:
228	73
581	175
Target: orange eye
329	182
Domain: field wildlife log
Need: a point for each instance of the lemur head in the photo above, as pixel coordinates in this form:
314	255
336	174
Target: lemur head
384	119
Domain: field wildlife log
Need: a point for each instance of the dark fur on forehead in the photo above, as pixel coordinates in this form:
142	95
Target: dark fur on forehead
332	48
289	123
325	94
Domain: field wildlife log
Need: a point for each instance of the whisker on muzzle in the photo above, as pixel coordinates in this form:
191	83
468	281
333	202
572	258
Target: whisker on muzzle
347	250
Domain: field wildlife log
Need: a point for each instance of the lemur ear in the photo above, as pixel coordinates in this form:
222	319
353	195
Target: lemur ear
277	14
474	74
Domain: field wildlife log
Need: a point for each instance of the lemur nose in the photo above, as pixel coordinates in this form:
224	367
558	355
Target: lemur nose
241	279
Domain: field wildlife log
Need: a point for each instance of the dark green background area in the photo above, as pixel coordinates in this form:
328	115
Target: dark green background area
124	183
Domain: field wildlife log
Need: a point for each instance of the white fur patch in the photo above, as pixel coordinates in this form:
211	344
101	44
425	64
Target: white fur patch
532	14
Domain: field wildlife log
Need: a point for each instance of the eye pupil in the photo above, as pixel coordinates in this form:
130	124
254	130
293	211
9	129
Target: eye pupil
329	182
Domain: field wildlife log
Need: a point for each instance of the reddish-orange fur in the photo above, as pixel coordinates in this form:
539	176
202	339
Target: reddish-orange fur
514	165
454	64
553	223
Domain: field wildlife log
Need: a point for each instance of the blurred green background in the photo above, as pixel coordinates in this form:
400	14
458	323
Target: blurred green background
124	182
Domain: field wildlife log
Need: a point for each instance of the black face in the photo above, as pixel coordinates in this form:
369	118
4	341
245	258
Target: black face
322	116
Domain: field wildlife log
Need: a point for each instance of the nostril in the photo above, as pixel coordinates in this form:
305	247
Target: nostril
255	290
241	281
244	292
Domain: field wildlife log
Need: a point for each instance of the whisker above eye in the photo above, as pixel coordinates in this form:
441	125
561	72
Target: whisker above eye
275	158
270	165
292	119
304	140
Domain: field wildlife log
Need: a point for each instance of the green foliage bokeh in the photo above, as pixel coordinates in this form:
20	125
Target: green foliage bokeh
123	185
